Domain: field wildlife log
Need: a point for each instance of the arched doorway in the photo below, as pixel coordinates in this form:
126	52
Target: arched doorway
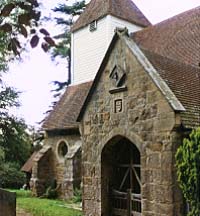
120	179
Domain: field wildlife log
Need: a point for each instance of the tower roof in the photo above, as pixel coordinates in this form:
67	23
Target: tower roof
123	9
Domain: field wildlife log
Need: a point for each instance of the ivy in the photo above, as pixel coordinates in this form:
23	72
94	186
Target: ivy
188	170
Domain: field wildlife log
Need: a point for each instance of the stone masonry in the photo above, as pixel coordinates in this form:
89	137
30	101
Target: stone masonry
59	161
50	166
147	120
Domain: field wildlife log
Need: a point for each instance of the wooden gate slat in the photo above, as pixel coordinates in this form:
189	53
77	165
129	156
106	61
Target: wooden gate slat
119	212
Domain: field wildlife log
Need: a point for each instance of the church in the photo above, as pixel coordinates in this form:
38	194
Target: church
135	95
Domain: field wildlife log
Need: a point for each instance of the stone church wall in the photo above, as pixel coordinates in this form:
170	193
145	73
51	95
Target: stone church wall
148	121
59	166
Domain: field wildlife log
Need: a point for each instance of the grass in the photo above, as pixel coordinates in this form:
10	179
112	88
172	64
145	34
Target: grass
44	207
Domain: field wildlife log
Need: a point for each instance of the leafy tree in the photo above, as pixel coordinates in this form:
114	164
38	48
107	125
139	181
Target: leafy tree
188	170
70	12
19	23
63	49
14	138
15	142
11	176
21	18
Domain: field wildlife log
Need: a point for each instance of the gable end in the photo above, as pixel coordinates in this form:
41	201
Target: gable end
159	82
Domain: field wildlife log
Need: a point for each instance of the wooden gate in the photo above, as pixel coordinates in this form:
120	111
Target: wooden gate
126	204
125	193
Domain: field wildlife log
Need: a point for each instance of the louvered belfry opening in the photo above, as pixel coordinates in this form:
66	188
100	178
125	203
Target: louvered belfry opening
121	185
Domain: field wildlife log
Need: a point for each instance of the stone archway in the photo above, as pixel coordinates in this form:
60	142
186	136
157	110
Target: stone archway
120	178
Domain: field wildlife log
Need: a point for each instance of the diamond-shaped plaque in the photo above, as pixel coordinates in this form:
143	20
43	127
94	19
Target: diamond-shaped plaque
117	77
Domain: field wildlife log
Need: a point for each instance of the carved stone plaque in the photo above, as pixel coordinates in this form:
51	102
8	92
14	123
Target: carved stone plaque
118	105
117	77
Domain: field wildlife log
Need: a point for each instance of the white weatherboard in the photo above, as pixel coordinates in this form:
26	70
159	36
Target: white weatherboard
89	48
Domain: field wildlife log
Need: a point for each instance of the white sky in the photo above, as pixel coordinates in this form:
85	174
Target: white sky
34	75
158	10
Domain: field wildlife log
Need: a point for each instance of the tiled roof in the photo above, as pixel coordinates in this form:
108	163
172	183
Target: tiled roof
176	38
42	152
124	9
65	113
27	167
184	81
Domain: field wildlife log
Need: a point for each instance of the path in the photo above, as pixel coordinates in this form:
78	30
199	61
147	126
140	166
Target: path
21	212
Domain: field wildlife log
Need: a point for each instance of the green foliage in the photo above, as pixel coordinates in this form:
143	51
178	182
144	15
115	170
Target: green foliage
51	193
188	170
2	155
77	195
10	176
70	12
3	52
73	10
15	142
8	98
45	207
63	48
51	190
19	20
21	193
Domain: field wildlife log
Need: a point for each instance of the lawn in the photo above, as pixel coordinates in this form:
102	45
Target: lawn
44	207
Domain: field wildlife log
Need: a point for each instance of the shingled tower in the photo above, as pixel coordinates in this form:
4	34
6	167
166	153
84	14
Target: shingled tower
93	31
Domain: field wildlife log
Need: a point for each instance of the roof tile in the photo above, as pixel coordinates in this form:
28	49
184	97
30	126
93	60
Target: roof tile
184	81
27	167
65	113
124	9
176	38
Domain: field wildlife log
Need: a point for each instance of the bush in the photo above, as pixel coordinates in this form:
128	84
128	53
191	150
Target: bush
51	190
77	195
51	193
10	176
188	170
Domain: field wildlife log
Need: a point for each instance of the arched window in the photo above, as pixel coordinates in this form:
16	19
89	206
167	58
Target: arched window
62	149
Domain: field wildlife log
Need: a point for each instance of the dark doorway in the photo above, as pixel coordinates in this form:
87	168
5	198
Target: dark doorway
121	186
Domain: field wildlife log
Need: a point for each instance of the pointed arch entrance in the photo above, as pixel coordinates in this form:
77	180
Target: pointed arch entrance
120	173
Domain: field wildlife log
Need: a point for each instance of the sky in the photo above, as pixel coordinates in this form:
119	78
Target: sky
158	10
34	75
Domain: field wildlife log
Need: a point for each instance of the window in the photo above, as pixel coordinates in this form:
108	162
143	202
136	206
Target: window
62	149
93	26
